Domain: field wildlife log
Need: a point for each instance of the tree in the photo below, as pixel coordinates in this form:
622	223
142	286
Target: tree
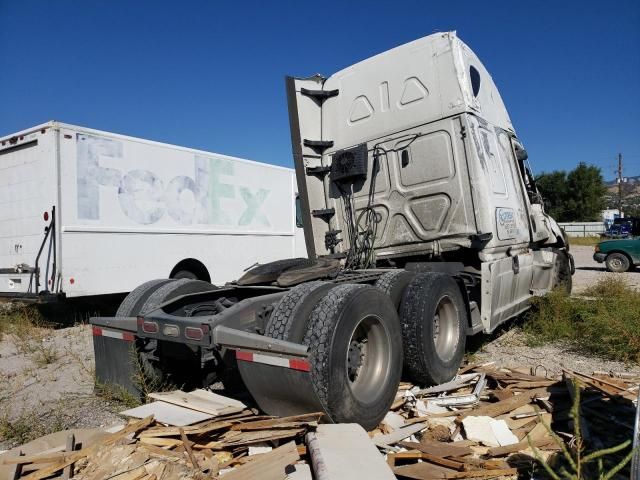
578	196
553	187
585	193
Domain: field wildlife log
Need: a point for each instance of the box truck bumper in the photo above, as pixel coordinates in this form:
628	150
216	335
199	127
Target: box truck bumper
37	298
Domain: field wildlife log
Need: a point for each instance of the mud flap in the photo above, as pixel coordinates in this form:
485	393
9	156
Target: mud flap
280	385
113	346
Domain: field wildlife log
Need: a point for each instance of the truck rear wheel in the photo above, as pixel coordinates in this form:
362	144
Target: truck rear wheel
145	298
433	319
393	284
289	318
130	306
356	353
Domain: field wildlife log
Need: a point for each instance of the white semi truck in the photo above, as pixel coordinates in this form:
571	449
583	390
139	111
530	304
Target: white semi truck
85	212
423	225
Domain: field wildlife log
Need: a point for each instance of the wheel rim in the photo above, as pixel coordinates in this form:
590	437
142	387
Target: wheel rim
445	329
616	263
367	361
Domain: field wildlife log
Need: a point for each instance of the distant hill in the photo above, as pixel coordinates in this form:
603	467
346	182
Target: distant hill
630	181
630	192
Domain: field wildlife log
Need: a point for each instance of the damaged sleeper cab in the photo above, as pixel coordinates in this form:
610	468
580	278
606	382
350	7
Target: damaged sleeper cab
422	224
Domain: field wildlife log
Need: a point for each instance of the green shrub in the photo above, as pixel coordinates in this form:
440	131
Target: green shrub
606	321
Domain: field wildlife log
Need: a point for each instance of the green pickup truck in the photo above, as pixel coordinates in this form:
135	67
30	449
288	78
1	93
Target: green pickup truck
618	255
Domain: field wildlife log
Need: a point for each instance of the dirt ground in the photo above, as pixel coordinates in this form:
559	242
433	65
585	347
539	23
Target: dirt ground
46	384
588	271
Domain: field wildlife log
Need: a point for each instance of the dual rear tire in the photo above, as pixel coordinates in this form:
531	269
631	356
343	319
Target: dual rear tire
356	338
355	346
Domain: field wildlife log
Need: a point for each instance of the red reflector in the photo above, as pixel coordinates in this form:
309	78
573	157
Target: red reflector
72	281
129	337
194	333
149	327
244	356
300	365
97	331
46	216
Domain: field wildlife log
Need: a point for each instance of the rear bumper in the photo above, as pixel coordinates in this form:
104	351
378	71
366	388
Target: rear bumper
599	257
36	298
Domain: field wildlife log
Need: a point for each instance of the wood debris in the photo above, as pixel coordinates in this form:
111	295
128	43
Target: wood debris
485	423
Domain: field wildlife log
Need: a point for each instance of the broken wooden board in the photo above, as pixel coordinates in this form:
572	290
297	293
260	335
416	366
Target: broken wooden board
236	438
296	421
168	413
344	451
202	401
398	435
267	466
441	449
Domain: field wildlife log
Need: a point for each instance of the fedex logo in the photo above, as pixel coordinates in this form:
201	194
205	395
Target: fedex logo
145	198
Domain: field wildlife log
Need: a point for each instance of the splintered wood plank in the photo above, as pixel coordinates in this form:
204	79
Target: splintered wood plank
267	466
483	473
504	406
399	434
517	447
188	430
202	401
168	413
422	471
235	438
296	421
441	449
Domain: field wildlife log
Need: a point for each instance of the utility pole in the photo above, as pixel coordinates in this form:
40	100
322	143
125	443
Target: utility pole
620	184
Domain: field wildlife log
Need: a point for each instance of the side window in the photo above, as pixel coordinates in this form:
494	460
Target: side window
298	212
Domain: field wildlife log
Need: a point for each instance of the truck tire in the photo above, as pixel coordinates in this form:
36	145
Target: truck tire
433	318
145	298
562	273
130	306
356	354
173	289
289	318
617	262
188	274
393	284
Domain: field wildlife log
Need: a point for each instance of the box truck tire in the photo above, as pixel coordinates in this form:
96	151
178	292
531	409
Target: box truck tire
356	359
434	319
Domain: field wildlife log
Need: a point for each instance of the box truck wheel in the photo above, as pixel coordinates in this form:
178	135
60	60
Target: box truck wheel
356	353
288	321
433	319
393	284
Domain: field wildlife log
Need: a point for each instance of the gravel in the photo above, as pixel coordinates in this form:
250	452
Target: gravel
588	271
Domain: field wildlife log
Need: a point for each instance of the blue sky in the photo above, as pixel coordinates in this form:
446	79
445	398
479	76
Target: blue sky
209	74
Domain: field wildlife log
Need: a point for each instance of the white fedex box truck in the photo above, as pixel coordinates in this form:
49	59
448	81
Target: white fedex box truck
85	212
